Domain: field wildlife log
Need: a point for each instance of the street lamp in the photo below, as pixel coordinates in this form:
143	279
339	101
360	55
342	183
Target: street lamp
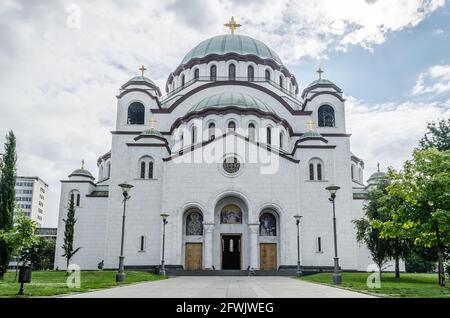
120	276
164	217
337	278
297	221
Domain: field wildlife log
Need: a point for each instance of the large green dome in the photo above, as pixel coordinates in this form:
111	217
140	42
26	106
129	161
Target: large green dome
229	99
232	43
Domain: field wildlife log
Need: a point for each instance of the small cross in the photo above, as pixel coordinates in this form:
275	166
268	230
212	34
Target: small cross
82	164
152	122
310	124
378	166
142	69
232	25
320	71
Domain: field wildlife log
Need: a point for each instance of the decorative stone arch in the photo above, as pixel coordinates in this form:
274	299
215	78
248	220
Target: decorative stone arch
209	67
327	103
227	192
318	166
131	103
144	165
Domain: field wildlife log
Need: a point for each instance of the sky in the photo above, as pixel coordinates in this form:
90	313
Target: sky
62	63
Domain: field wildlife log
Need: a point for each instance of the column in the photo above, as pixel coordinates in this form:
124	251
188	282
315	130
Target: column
254	229
208	248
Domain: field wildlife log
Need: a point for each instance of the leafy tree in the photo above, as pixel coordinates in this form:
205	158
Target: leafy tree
7	198
21	237
437	136
69	229
415	262
369	234
42	255
424	186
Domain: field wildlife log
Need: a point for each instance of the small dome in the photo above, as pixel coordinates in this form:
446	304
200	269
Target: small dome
141	79
311	134
229	99
377	177
321	83
152	132
232	43
81	173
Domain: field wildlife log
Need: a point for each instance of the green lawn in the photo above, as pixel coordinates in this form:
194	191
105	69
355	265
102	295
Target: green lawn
409	285
54	283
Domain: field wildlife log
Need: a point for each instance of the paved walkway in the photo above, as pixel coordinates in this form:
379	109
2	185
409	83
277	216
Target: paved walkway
224	287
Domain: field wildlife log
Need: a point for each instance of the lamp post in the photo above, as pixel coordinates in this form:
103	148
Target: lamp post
120	276
337	278
297	221
164	217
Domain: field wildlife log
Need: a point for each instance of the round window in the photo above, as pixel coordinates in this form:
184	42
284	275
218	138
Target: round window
231	165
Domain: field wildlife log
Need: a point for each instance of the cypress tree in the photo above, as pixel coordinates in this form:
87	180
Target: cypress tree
69	229
7	197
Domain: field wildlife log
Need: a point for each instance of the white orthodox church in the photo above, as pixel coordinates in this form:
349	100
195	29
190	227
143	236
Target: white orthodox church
232	153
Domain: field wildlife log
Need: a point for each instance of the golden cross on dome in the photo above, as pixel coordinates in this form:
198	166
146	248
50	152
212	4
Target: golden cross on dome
142	69
82	164
310	124
232	25
320	71
152	122
378	166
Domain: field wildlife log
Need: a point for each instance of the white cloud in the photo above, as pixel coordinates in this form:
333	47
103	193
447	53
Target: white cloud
388	133
58	84
435	80
438	31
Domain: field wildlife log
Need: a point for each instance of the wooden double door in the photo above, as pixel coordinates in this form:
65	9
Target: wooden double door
268	256
194	256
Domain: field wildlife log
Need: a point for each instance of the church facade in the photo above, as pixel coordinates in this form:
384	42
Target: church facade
232	153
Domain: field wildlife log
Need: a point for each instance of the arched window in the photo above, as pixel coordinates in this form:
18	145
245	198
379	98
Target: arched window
353	172
269	135
316	169
196	74
211	131
267	75
194	222
144	172
251	73
267	224
182	140
136	114
231	126
100	172
360	175
311	171
231	214
75	196
326	116
108	169
251	132
319	244
150	170
183	80
281	140
142	243
232	72
292	85
213	73
280	82
193	134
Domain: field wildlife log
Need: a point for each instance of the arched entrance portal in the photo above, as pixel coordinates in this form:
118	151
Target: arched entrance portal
231	234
